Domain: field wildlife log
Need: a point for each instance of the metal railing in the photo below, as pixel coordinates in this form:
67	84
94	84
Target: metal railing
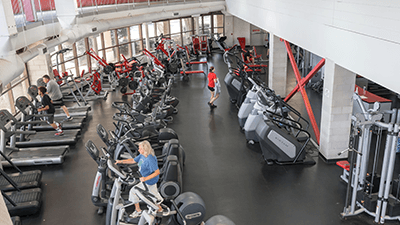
34	13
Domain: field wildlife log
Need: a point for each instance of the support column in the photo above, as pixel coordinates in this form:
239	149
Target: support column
337	107
277	65
229	30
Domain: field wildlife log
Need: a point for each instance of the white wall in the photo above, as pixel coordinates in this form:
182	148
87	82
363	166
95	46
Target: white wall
241	28
361	36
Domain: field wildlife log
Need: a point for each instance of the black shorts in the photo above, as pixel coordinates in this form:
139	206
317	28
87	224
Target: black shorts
59	102
49	118
211	88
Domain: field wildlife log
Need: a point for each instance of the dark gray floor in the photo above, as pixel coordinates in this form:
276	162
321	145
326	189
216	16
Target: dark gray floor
230	176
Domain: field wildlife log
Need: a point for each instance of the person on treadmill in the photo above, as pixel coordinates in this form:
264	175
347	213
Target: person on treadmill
148	168
248	56
48	108
55	93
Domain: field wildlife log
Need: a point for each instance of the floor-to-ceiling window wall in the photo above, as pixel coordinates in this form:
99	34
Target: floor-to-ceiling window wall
111	45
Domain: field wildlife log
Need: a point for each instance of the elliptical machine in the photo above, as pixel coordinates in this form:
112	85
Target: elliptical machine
236	80
191	208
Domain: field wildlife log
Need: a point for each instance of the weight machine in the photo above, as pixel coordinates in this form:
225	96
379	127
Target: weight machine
369	192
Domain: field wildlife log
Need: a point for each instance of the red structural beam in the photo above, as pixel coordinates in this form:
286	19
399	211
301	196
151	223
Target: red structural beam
306	79
303	91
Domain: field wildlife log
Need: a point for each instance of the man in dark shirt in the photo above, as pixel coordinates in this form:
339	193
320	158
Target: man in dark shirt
248	56
48	108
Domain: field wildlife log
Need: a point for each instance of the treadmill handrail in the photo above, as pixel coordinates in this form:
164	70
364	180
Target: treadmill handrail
10	180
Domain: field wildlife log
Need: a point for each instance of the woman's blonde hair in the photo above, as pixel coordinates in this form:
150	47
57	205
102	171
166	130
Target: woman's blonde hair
147	148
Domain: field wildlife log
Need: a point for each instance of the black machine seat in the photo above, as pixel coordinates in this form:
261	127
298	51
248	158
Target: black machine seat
47	138
28	202
171	178
24	180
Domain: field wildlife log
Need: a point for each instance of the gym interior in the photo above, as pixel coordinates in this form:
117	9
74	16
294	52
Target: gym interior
304	131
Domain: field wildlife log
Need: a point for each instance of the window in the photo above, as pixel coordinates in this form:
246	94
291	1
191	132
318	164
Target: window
187	27
5	102
82	59
175	26
198	24
218	24
176	31
206	24
136	40
109	41
162	28
123	42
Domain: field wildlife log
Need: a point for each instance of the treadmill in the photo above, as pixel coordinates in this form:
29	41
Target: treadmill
24	180
22	202
28	109
26	156
76	111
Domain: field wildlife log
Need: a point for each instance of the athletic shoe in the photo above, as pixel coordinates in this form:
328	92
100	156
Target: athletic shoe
209	103
61	133
135	214
213	106
70	118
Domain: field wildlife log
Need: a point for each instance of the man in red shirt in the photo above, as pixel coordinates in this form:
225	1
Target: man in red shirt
212	79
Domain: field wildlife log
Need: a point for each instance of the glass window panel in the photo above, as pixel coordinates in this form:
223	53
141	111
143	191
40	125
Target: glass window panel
70	67
162	28
175	26
54	57
177	38
82	64
69	54
98	38
187	24
207	24
111	55
5	102
122	40
187	39
19	90
135	35
136	48
218	20
197	24
151	29
109	38
124	50
152	41
219	30
122	35
80	47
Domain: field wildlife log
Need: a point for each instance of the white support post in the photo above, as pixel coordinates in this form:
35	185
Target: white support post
277	65
337	107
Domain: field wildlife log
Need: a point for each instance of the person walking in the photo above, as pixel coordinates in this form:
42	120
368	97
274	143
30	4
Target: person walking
212	82
55	93
48	109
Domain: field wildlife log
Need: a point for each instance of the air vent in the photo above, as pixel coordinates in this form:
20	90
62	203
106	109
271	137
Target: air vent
94	29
